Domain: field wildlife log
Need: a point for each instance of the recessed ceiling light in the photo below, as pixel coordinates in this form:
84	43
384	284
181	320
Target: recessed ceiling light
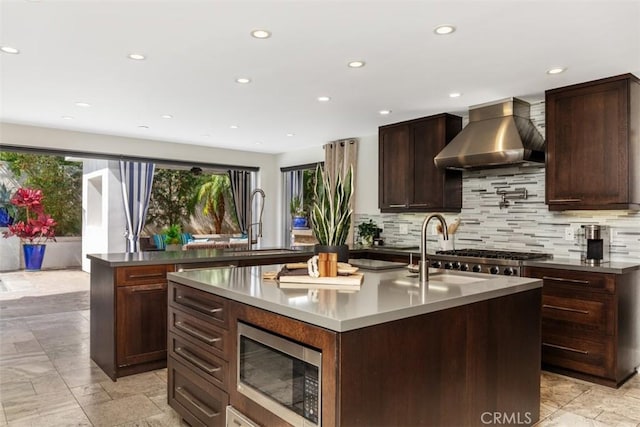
143	127
291	134
136	56
261	34
443	30
384	112
324	98
83	104
67	118
233	126
9	49
243	80
206	135
167	116
556	70
455	95
258	143
356	64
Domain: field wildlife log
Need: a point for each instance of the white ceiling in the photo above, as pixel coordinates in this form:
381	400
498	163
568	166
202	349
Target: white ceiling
76	51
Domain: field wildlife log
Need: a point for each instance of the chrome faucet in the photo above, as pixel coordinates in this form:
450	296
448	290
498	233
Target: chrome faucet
424	262
250	241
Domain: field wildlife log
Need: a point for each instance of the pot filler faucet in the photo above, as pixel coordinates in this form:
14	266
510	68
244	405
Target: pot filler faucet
424	262
250	241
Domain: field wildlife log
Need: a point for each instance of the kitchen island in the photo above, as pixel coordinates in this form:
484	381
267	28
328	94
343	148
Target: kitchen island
464	350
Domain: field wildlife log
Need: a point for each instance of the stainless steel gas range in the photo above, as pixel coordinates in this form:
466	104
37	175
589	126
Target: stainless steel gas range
484	261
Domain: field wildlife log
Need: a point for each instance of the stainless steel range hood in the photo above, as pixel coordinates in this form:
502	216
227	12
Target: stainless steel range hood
499	133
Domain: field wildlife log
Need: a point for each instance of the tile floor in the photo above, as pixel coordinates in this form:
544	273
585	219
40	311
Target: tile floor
47	378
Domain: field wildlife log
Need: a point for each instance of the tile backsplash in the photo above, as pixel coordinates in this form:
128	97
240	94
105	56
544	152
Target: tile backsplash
524	225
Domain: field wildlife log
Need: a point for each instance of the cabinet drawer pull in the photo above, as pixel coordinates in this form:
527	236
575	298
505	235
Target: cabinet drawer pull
197	305
418	205
559	279
191	331
196	360
195	402
146	276
564	200
147	289
572	310
561	347
398	206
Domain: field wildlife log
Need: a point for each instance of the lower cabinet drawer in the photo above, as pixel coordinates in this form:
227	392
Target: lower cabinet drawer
594	354
587	312
198	401
212	337
200	360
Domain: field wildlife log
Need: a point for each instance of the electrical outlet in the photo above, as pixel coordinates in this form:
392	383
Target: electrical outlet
403	229
569	234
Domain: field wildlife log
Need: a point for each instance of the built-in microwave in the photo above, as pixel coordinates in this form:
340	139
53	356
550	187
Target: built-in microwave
280	375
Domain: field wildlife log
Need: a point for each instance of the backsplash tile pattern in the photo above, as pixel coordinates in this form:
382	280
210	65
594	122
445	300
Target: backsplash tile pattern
525	225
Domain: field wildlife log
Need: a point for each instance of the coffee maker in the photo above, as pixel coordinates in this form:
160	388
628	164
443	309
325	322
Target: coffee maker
594	244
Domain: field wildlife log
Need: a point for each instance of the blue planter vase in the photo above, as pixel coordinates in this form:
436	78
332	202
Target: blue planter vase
5	219
300	222
33	256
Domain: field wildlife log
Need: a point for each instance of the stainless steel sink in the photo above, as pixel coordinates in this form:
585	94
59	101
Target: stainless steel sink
440	277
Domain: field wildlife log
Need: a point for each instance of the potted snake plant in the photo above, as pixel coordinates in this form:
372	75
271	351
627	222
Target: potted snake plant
331	212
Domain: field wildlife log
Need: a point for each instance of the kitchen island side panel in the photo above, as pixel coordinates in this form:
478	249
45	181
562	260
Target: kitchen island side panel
102	315
460	366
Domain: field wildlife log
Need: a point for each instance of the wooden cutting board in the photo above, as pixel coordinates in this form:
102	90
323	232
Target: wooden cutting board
338	282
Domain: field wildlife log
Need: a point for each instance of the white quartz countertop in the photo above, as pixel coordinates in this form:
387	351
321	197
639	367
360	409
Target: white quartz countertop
383	297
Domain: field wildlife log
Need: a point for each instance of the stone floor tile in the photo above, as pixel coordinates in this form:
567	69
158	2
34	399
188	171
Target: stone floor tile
120	411
30	346
3	419
563	418
74	417
617	420
147	383
26	370
160	420
69	350
162	374
49	384
83	375
13	390
556	391
17	335
70	362
593	402
29	407
546	410
7	348
90	394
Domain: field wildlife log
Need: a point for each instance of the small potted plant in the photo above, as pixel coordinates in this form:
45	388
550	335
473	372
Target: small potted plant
298	214
367	232
35	230
172	237
8	211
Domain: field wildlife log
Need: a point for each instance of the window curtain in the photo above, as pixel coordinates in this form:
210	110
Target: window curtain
136	179
338	156
292	186
241	191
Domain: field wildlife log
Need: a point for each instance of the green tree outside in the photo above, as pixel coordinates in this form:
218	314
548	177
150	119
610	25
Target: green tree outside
61	184
173	197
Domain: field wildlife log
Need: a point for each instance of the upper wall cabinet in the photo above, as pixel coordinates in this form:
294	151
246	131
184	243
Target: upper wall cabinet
408	180
593	145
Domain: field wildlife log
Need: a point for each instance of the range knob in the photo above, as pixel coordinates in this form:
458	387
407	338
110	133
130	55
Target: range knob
464	267
456	265
476	268
447	265
508	271
494	270
436	264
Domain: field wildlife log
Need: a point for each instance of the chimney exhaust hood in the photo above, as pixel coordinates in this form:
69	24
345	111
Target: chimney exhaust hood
499	133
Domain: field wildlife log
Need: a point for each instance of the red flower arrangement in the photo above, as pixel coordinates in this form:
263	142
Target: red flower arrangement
39	227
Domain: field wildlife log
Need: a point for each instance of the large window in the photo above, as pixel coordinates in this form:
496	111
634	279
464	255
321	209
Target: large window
298	182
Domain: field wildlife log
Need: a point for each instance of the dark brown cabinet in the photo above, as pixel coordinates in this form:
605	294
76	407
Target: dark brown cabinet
408	180
141	329
593	143
589	324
